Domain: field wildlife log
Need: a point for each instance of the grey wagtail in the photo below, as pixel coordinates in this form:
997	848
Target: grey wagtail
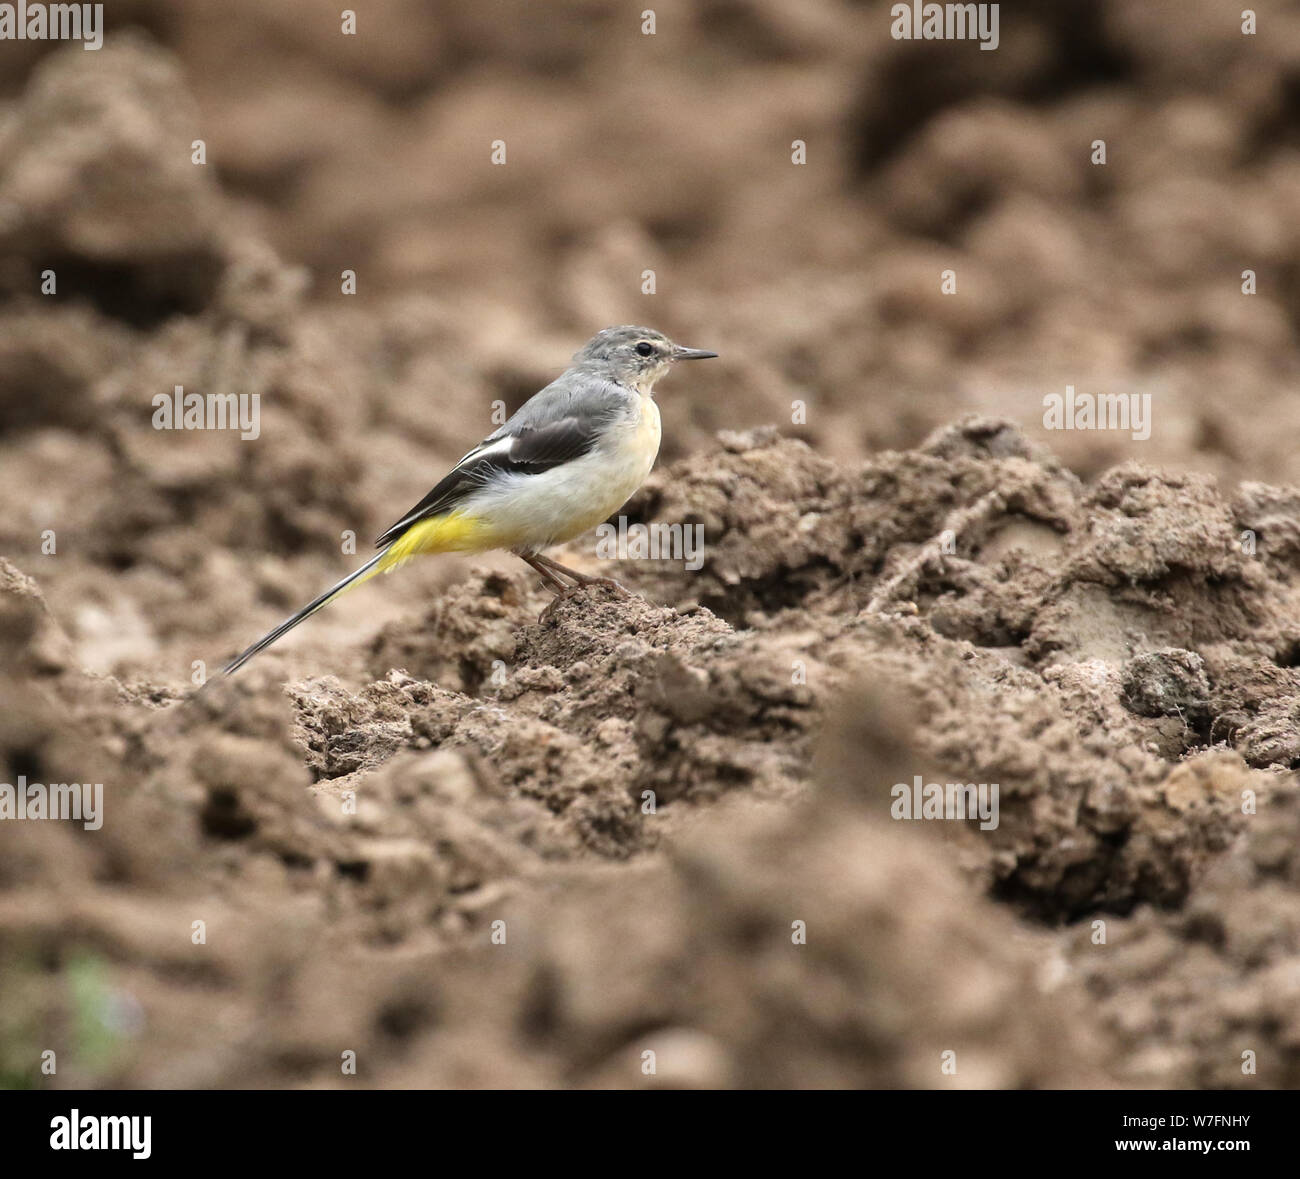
570	457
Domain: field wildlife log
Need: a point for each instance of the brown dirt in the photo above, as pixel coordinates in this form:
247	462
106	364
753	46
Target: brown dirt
479	849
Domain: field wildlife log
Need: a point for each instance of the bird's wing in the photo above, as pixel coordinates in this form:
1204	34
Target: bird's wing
527	449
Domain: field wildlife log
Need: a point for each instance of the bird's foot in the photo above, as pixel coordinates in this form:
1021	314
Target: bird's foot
580	586
620	590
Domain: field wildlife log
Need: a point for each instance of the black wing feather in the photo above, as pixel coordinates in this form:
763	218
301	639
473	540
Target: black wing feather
533	451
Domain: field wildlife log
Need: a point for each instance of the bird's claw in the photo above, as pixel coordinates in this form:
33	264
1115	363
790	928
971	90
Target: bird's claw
586	583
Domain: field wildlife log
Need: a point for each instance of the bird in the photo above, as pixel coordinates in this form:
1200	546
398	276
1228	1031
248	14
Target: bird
565	461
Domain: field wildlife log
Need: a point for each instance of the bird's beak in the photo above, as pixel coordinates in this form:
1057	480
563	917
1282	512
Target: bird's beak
680	353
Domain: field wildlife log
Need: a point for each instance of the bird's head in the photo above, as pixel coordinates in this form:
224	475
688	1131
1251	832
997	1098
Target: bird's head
635	356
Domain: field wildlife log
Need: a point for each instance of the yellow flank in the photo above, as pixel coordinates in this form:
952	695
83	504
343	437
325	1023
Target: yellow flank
449	533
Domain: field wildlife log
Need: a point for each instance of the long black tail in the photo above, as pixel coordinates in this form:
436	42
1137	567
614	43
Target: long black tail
369	569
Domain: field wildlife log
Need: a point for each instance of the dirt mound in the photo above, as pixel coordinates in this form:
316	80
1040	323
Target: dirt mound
500	768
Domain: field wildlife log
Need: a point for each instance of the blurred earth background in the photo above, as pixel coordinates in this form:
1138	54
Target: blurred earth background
1112	635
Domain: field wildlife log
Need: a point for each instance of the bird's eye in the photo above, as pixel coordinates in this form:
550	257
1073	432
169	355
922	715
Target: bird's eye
644	349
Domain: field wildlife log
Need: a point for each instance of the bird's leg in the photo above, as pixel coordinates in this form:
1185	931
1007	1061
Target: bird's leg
552	583
582	579
549	570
